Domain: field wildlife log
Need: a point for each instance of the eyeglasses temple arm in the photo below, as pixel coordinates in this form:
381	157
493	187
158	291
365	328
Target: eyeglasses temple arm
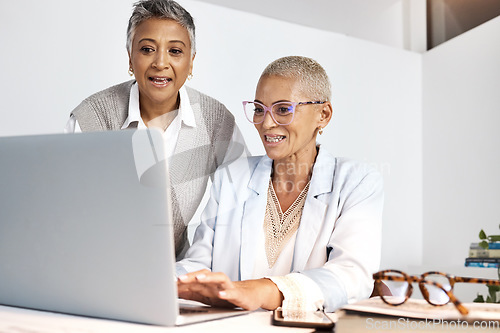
462	309
476	280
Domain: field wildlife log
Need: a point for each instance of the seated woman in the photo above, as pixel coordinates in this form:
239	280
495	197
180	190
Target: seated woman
297	228
200	133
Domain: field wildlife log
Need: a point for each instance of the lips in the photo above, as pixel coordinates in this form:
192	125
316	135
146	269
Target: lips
159	81
274	138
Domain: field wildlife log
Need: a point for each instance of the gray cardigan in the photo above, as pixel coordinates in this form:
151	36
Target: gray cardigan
199	151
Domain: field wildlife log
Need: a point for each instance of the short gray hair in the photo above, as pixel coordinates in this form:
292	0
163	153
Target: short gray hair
160	9
312	77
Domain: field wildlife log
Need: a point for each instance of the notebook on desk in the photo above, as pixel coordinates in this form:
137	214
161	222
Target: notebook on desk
85	227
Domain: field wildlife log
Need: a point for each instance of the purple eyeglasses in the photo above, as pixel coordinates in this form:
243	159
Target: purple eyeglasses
281	112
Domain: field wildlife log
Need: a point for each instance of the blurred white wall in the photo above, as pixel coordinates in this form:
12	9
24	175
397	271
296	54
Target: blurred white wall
427	122
461	143
397	23
54	53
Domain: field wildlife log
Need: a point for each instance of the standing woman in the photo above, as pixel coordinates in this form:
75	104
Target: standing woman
200	133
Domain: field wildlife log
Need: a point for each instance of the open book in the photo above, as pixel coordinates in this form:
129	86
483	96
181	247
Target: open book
420	309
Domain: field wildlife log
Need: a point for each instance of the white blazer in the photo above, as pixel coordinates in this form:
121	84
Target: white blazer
338	240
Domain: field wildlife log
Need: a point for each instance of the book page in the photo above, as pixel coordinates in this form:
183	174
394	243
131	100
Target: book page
420	309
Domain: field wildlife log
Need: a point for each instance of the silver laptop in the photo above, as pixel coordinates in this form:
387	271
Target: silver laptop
85	227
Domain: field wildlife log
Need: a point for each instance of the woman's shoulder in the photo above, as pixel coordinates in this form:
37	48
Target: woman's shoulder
205	101
352	173
118	90
349	170
357	167
245	163
241	168
104	110
213	113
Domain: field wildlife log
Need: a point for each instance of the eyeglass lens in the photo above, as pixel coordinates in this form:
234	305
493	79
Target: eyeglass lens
282	112
398	289
436	295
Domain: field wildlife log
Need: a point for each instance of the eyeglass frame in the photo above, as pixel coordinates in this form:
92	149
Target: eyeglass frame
421	280
270	110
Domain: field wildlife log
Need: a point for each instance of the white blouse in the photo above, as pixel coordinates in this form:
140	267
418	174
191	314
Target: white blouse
299	291
185	117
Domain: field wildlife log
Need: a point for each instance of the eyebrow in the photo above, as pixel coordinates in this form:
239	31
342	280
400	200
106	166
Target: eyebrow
177	41
281	100
154	41
147	40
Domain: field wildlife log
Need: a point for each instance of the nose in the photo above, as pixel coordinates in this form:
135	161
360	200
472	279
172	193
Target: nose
269	121
161	60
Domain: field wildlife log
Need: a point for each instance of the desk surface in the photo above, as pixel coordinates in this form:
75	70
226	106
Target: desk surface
15	320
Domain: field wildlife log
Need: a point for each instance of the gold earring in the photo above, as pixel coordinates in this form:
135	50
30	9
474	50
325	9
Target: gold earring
130	71
320	130
190	76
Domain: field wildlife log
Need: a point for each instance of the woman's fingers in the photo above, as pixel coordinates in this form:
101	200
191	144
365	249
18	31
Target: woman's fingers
204	286
243	295
191	277
219	279
205	277
217	289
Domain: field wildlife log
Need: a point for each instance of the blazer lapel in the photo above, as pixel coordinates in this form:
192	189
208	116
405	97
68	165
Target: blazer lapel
253	216
314	212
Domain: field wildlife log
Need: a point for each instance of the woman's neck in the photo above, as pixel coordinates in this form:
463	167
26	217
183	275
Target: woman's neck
296	167
291	175
151	111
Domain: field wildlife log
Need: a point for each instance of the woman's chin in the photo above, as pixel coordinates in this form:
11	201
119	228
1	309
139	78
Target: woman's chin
273	153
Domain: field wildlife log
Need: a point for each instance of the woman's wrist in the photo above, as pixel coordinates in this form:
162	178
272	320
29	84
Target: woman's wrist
271	296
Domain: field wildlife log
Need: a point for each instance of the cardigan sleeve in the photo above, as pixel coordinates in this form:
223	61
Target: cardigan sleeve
228	152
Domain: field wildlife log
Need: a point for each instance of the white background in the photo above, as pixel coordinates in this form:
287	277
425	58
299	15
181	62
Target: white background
428	122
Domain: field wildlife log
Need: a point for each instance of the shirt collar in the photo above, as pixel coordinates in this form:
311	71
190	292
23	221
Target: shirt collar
134	113
185	110
186	113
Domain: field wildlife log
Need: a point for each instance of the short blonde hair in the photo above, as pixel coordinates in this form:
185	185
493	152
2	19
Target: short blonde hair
312	77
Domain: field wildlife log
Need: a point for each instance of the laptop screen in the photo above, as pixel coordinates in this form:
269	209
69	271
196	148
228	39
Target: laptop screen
85	225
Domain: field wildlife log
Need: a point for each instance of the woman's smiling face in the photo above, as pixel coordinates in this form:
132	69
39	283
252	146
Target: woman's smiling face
297	139
161	60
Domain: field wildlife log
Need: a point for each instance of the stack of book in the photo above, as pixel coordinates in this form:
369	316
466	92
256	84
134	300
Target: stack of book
479	257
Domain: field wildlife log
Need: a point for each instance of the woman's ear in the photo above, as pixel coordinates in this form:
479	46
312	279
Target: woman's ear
326	114
192	61
130	67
